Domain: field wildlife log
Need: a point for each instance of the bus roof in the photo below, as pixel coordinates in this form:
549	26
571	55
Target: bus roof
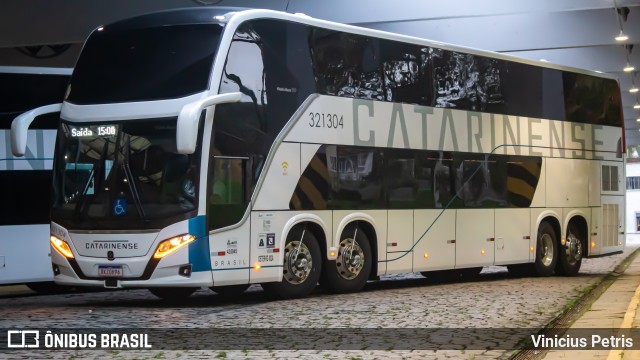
241	16
234	16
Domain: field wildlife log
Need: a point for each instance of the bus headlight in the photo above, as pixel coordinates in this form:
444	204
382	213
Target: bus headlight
61	246
170	245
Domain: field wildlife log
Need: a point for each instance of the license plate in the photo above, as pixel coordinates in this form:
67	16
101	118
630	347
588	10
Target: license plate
110	271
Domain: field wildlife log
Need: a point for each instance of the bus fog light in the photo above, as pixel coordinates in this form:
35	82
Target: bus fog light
170	245
61	246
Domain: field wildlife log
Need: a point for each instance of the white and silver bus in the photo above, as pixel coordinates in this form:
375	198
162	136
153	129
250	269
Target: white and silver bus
26	181
223	147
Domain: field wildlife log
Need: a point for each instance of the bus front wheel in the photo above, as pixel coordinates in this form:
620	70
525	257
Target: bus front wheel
546	254
351	269
301	267
570	254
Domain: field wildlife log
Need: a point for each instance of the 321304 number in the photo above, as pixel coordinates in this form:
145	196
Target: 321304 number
326	120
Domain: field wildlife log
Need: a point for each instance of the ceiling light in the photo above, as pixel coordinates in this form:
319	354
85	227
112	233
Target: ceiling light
633	90
638	119
621	37
628	68
636	106
544	60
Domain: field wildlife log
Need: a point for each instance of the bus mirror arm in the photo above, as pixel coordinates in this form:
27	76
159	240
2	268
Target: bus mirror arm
20	126
187	127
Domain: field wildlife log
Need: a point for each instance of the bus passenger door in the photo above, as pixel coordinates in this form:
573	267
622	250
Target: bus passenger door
435	234
512	236
227	201
475	242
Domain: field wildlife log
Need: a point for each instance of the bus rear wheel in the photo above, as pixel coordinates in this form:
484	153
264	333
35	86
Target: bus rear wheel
351	269
546	254
172	293
570	255
301	267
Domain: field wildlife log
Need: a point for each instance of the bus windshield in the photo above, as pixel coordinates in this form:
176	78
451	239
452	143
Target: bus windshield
143	64
124	175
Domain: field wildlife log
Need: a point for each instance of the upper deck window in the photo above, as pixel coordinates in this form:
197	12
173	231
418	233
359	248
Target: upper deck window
142	64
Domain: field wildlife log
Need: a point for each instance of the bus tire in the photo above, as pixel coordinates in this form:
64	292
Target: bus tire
352	267
230	290
546	254
301	270
172	293
570	254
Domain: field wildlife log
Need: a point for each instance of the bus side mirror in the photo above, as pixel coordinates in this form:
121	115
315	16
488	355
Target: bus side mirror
187	127
20	127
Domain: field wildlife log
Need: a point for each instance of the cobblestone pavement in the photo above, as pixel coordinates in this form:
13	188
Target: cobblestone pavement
397	302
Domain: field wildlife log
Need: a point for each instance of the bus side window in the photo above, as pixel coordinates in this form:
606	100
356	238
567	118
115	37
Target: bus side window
227	181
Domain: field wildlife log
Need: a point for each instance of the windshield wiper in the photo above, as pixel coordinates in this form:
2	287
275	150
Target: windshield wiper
82	206
132	182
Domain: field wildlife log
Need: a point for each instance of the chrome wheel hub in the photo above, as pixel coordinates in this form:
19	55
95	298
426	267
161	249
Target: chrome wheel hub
350	259
573	249
547	249
297	263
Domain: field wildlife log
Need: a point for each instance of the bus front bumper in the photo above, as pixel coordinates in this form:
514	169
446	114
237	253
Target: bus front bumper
136	272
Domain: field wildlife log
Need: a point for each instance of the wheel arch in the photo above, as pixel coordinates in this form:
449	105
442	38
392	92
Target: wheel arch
314	224
553	219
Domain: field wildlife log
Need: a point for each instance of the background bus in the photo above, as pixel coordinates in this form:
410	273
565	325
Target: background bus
300	150
26	181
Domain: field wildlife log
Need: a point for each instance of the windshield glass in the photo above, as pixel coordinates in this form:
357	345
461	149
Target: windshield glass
142	64
122	175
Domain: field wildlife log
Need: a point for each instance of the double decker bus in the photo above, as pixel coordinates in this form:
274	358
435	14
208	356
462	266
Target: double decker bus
222	147
26	181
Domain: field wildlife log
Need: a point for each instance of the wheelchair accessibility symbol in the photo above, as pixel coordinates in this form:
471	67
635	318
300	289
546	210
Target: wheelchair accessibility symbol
120	207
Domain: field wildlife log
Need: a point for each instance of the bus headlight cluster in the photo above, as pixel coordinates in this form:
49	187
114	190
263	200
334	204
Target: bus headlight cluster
61	246
170	245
